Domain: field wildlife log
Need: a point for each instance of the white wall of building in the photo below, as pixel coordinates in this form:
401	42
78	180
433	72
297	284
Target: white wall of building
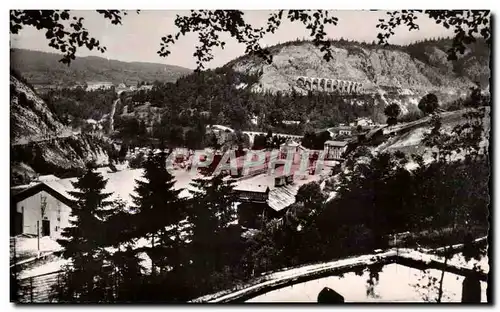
56	212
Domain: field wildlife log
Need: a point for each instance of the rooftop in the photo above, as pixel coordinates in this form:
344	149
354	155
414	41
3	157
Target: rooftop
336	143
48	177
282	196
349	128
221	127
291	144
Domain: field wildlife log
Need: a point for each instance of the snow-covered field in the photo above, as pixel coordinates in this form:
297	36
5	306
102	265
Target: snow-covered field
49	267
396	283
27	247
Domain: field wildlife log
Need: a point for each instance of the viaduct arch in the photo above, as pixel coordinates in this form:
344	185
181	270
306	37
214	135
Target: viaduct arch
329	85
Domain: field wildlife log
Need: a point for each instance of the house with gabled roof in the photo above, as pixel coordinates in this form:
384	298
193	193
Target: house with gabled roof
40	208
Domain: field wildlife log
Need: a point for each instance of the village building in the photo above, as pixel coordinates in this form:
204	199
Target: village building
91	86
290	148
146	87
40	208
335	149
44	206
254	120
122	88
341	131
93	125
291	122
268	195
363	122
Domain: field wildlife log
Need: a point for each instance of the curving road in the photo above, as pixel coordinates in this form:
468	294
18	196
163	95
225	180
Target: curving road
111	116
44	138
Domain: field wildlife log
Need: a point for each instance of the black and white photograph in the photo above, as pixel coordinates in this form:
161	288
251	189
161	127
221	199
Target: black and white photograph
250	156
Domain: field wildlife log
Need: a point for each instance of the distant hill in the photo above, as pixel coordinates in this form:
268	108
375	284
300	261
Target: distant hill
30	117
418	68
42	68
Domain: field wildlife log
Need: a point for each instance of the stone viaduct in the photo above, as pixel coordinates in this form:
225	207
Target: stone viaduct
329	85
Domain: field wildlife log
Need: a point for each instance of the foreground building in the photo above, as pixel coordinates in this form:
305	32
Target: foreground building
44	206
40	208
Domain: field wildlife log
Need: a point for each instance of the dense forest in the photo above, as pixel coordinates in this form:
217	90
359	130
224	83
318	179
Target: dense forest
226	97
74	105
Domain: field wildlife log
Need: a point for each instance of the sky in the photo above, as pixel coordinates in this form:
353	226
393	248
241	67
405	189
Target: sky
138	38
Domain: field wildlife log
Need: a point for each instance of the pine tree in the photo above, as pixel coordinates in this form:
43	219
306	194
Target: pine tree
86	278
211	214
158	213
126	263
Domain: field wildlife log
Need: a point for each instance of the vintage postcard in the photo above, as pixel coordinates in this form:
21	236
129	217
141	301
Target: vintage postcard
226	156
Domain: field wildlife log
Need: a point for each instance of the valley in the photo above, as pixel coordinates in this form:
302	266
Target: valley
252	182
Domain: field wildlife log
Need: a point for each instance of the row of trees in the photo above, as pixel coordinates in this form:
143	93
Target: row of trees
185	240
438	204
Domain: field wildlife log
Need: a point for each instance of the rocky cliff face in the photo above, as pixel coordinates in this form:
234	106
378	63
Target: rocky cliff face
405	72
40	144
30	117
63	156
